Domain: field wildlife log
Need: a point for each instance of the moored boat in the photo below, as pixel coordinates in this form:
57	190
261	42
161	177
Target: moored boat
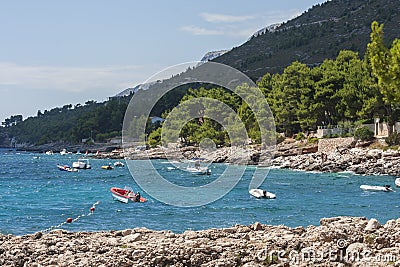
195	168
385	188
126	195
119	164
107	167
82	164
397	182
66	168
259	193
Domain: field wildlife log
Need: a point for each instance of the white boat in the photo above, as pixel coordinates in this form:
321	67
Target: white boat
259	193
385	188
397	182
63	152
119	164
81	164
196	168
66	168
50	152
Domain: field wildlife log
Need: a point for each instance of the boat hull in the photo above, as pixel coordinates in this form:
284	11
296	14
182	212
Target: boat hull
259	193
397	182
376	188
121	195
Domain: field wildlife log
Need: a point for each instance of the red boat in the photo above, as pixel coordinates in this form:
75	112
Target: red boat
126	195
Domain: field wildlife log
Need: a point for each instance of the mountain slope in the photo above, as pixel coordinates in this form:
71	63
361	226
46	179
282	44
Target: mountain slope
319	33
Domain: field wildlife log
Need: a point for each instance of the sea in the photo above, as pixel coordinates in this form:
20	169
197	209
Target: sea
36	196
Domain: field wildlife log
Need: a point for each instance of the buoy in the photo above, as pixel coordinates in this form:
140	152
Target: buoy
69	220
92	209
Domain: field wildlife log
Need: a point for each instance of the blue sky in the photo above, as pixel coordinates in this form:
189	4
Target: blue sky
67	52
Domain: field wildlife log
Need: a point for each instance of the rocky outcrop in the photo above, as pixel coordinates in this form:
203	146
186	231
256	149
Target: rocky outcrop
357	160
340	241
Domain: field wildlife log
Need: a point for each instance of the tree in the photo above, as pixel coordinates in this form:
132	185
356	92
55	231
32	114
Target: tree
385	66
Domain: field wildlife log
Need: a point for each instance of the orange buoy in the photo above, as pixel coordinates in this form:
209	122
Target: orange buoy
92	209
69	220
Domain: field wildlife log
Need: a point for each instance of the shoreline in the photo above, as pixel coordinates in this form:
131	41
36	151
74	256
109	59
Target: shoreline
338	241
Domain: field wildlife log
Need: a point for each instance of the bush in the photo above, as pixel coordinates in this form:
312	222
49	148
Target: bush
393	139
300	136
363	134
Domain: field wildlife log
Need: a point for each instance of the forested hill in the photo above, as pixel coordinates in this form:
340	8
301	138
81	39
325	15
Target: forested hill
318	34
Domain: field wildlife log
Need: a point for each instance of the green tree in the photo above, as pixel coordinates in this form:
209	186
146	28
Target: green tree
385	66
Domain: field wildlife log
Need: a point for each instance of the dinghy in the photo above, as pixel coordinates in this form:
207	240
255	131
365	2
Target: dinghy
385	188
259	193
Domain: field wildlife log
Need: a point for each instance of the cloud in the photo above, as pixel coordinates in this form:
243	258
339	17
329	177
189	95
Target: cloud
69	79
201	31
209	17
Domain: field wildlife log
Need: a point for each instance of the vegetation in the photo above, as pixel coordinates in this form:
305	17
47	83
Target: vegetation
393	139
363	133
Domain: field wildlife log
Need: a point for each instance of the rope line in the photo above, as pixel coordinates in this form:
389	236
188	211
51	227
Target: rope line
70	220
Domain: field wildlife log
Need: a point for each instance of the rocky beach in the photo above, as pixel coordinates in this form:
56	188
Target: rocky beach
339	241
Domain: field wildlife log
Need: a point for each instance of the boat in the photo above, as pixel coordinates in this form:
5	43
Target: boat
107	167
50	152
126	195
397	182
259	193
63	152
81	164
385	188
119	164
66	168
197	168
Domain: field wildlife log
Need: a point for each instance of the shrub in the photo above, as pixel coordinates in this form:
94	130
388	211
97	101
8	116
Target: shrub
300	136
393	139
364	133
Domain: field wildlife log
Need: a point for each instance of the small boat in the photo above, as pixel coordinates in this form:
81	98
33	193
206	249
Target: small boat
385	188
107	167
197	168
259	193
66	168
126	195
63	152
119	164
81	164
397	182
50	152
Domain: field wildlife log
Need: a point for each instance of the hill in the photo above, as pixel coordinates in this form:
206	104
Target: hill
317	34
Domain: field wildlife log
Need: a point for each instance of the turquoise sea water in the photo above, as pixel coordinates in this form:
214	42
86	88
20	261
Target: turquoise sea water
35	195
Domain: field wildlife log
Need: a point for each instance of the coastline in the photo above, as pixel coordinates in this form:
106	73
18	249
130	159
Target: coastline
345	156
339	241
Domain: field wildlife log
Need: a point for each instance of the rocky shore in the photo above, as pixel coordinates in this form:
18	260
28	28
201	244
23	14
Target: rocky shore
340	241
347	155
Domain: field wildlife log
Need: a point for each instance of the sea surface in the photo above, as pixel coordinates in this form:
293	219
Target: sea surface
36	196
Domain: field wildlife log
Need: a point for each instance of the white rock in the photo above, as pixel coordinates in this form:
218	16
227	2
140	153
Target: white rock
372	225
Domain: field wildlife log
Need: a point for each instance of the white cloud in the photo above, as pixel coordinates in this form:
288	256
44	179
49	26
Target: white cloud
209	17
68	79
201	31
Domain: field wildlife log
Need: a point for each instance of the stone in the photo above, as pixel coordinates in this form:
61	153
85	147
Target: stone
372	225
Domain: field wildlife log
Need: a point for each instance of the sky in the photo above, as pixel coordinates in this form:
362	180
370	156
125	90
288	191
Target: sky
55	53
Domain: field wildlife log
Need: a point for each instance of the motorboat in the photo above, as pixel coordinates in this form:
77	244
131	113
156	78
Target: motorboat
50	152
66	168
107	167
397	182
119	164
259	193
196	168
81	164
63	152
126	195
385	188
